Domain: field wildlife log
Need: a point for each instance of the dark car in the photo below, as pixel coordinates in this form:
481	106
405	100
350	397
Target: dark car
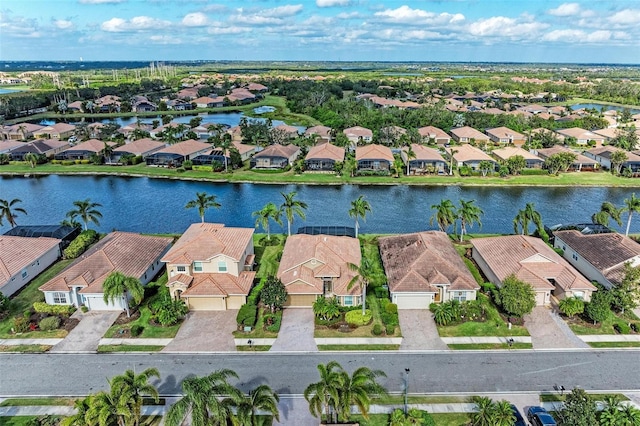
519	420
538	416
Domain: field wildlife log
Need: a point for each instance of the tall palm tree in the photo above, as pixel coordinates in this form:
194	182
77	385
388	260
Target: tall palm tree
468	213
503	414
203	202
263	216
119	286
483	413
607	211
109	408
324	396
359	208
9	212
410	156
452	152
81	407
137	386
631	205
225	144
87	211
31	158
201	404
107	151
526	216
358	389
291	207
262	399
364	276
445	214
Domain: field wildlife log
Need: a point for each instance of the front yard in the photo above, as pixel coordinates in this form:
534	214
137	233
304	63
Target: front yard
614	324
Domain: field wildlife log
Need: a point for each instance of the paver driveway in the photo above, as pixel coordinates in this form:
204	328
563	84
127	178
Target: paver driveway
86	336
205	331
548	331
296	331
419	331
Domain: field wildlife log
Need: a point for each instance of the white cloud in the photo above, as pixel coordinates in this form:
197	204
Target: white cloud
273	16
345	15
63	24
101	1
572	36
406	15
165	39
227	30
138	23
626	17
502	26
565	9
196	19
282	11
331	3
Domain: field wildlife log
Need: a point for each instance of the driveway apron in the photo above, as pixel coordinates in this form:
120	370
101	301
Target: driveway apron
419	331
86	336
549	331
205	331
296	331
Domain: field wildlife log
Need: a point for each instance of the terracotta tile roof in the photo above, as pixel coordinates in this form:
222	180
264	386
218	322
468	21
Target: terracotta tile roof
140	146
608	133
469	133
308	258
326	151
606	151
219	284
529	259
277	150
416	262
511	151
466	152
129	253
545	153
93	145
579	133
374	152
425	153
323	131
187	147
243	148
358	131
291	130
202	241
433	132
9	145
16	253
504	133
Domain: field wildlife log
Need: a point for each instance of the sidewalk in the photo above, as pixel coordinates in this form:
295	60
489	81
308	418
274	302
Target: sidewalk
18	342
610	337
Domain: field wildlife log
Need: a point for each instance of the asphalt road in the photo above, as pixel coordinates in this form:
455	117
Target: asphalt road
455	372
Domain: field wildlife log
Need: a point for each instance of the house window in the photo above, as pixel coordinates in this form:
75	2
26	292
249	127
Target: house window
574	256
222	266
59	297
24	274
182	269
578	294
460	296
347	301
197	266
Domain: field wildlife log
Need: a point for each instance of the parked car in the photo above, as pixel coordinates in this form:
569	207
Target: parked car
538	416
519	420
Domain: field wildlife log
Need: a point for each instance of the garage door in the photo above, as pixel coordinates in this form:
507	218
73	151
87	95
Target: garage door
98	304
540	298
235	302
206	304
410	301
300	300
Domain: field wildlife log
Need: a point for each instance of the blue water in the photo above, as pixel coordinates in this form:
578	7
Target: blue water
602	107
4	91
264	109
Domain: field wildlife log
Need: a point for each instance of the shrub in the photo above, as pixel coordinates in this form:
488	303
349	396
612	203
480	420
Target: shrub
356	318
391	308
488	287
517	297
84	309
21	324
49	323
383	303
377	329
381	292
247	315
170	312
80	244
622	328
599	309
254	296
136	330
571	306
180	170
4	303
389	319
273	294
44	308
272	322
389	329
187	164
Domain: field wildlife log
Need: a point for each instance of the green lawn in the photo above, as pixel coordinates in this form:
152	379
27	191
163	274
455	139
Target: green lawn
17	420
129	348
420	399
601	345
485	346
34	349
254	348
267	257
358	347
606	327
24	402
553	397
449	419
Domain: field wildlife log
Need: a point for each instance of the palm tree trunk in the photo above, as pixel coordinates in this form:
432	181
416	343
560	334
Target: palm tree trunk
288	227
462	230
628	223
268	232
357	228
364	299
202	219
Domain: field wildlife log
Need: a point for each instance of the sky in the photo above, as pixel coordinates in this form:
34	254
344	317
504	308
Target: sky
594	31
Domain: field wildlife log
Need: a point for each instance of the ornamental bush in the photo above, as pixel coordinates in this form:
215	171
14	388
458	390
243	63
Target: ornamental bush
44	308
80	244
389	329
49	323
21	324
377	330
356	318
136	330
272	322
247	315
391	308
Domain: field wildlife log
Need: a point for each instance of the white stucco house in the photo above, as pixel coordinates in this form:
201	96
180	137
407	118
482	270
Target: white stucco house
23	258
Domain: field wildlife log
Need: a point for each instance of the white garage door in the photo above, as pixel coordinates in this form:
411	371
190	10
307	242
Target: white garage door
410	301
97	303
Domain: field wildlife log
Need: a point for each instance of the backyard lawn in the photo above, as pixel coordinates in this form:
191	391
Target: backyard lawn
267	257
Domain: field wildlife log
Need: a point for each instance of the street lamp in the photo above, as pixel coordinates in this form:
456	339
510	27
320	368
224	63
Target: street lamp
406	388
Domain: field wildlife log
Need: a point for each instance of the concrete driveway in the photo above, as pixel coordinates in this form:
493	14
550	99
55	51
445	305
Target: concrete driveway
419	331
205	331
86	336
296	331
549	331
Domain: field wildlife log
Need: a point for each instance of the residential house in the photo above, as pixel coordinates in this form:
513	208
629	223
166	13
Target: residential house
174	155
390	135
177	130
58	131
599	257
275	156
431	133
80	283
424	268
504	154
41	147
257	87
323	133
581	136
138	126
467	155
245	150
65	234
609	133
358	135
209	102
318	265
142	104
603	156
20	131
76	106
241	96
530	260
7	146
109	103
84	150
376	158
289	132
23	258
505	135
581	163
424	160
323	157
138	148
468	134
179	105
210	267
188	93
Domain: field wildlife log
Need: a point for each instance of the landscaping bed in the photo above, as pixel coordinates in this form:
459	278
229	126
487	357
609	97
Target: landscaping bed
614	324
380	325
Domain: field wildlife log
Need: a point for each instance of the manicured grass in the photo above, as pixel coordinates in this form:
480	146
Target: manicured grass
449	419
17	420
485	346
25	402
254	348
358	347
420	399
600	345
606	327
554	397
258	331
32	349
267	258
129	348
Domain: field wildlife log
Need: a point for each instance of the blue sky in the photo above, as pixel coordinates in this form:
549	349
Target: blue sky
595	31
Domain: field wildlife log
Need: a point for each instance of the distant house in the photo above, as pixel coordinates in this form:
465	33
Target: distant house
504	154
80	283
468	134
323	133
323	157
128	130
530	260
241	96
58	131
65	234
179	105
581	136
425	160
210	267
75	106
425	268
41	147
467	155
581	163
84	150
245	150
209	102
23	258
174	155
257	87
275	156
431	133
9	146
358	135
180	130
138	148
377	158
599	257
108	103
609	133
290	132
20	131
603	156
505	135
142	104
318	265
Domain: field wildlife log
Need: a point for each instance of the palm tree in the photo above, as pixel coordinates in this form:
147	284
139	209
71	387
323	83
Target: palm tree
119	286
201	404
225	144
364	275
445	214
31	158
262	399
202	202
503	414
137	385
87	211
109	408
358	389
526	216
607	211
323	396
9	212
452	152
106	151
468	213
611	414
81	407
483	413
269	211
359	208
410	155
631	205
291	207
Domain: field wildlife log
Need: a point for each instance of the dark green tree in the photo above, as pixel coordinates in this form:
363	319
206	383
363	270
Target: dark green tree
517	297
579	410
273	294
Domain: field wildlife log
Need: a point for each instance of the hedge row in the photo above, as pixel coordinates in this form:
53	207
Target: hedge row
247	315
45	308
80	244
